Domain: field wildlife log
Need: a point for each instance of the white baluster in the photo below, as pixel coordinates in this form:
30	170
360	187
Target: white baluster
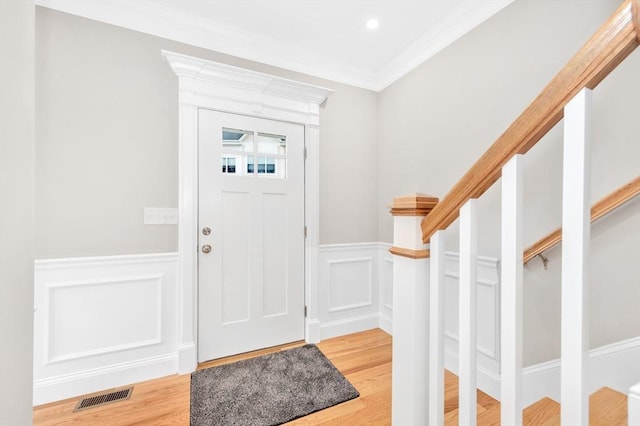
467	314
436	330
511	293
575	252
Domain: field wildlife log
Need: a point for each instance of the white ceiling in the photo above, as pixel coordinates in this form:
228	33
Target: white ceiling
325	38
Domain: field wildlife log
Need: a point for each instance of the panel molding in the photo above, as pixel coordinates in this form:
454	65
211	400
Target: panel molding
49	335
487	267
142	349
369	296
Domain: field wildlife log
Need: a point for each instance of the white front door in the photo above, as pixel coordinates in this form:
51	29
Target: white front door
251	234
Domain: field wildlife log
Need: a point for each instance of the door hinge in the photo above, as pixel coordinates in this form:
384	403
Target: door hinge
305	232
305	152
305	311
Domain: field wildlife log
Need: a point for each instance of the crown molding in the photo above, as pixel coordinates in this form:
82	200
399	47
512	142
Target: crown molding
209	84
435	40
153	18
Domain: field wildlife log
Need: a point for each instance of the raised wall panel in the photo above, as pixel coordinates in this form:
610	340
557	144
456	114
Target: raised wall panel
98	317
488	310
349	293
350	283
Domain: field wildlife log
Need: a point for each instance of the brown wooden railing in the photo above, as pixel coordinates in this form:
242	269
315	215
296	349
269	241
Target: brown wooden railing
609	203
609	46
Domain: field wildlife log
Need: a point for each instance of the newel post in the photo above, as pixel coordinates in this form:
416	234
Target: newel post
410	377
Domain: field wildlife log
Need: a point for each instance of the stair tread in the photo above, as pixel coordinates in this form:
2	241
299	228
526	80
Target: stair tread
607	407
545	412
490	417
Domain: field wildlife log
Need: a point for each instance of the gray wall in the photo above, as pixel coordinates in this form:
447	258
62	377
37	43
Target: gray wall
16	211
107	142
107	146
436	121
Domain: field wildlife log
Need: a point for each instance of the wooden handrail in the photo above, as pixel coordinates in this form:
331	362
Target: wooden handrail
609	46
609	203
635	10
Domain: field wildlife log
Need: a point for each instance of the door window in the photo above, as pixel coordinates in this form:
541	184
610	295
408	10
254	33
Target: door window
252	153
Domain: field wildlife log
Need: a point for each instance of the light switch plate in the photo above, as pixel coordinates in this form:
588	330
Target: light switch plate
160	216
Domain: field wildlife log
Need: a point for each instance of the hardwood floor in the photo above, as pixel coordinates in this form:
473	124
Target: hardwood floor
364	358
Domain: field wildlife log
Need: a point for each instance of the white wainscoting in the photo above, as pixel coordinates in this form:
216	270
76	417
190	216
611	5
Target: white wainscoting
348	288
488	320
101	322
385	282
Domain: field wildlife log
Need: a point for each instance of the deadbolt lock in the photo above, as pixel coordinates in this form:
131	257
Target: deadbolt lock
206	248
206	230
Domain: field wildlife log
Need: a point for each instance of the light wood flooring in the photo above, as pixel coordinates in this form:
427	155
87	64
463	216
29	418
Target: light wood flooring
364	358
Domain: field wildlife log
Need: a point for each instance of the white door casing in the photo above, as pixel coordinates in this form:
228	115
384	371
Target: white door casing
211	85
251	215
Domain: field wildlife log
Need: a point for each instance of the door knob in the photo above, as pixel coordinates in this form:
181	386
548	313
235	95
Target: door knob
206	248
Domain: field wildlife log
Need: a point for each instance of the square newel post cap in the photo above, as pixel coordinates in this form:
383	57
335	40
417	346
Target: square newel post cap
413	205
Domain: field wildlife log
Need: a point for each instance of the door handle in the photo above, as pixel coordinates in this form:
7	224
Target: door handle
206	248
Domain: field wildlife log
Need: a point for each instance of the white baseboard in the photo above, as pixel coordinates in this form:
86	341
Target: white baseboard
386	324
348	326
187	358
313	331
615	366
84	382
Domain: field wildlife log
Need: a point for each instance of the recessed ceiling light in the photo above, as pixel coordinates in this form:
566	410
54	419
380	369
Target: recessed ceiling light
372	24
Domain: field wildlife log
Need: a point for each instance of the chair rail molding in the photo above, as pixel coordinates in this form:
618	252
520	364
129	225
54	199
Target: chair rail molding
212	85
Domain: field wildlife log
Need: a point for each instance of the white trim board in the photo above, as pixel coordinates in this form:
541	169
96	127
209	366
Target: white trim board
212	85
97	379
615	366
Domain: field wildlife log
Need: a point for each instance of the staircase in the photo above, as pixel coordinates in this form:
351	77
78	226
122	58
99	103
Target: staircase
607	407
418	373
